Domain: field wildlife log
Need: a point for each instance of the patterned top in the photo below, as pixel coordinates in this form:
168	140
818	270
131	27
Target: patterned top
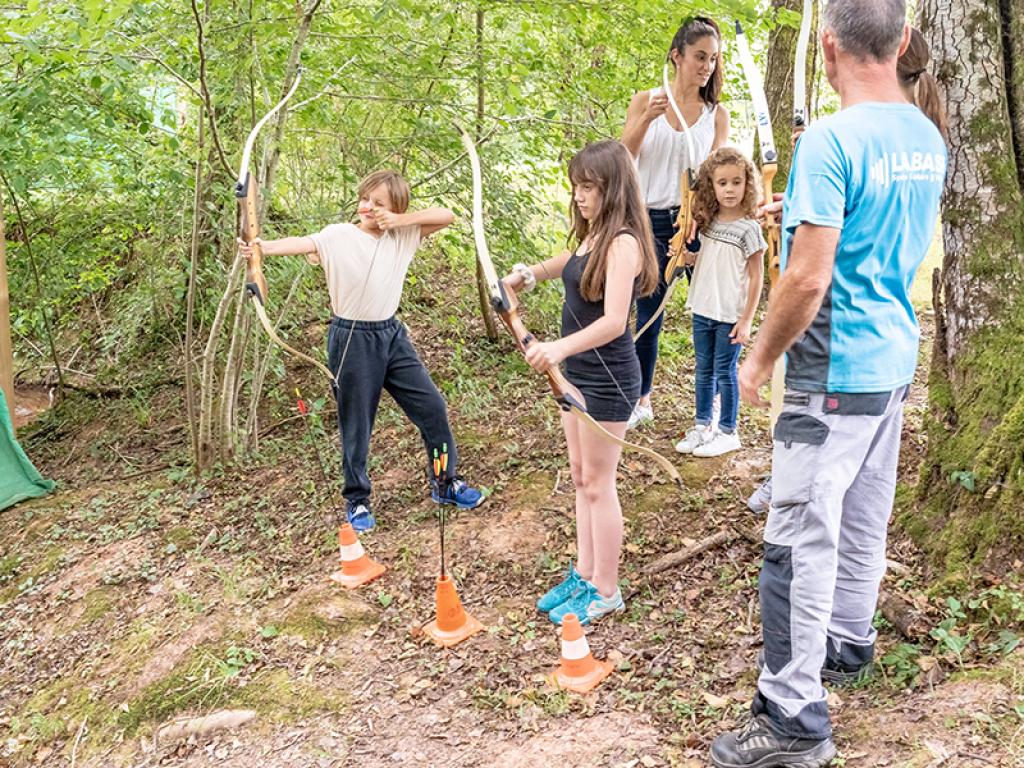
719	286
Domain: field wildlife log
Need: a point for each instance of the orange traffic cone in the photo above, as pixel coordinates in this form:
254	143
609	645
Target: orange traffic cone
453	624
356	567
579	670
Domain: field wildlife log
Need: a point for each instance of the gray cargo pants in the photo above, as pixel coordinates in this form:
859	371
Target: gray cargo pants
833	482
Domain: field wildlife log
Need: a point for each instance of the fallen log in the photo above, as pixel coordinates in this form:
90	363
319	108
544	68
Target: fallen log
200	726
672	559
902	615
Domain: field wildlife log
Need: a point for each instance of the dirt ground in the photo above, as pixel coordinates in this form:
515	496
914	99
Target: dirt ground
132	599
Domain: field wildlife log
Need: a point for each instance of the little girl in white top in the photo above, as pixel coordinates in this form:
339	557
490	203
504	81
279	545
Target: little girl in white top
724	292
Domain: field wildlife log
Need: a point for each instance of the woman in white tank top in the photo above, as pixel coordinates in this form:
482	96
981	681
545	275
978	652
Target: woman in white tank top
653	136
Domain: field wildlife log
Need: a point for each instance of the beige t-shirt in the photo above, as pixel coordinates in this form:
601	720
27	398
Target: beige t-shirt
718	288
365	274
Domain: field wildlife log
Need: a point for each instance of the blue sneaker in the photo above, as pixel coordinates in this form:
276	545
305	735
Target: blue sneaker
588	604
458	493
360	516
558	594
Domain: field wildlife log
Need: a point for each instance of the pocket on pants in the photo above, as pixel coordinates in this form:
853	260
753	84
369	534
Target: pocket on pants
796	457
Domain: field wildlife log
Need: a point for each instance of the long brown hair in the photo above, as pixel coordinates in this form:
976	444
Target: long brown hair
692	30
607	165
915	78
705	204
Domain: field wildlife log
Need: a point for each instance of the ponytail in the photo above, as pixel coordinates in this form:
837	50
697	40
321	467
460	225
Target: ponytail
692	30
929	101
920	85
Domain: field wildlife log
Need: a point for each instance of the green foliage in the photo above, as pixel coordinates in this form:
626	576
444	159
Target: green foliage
983	627
901	666
949	638
99	116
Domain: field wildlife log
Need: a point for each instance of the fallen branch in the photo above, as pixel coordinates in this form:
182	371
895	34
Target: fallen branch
672	559
199	726
78	739
902	615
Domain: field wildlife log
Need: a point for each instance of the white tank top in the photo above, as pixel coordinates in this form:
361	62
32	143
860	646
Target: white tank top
664	156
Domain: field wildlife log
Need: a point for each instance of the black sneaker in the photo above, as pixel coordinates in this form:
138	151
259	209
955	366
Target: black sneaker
756	745
840	678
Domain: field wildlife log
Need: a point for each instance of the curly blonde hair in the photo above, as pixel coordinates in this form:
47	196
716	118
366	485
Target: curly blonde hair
705	204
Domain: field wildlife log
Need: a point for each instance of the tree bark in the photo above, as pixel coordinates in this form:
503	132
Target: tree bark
778	86
6	350
982	269
973	485
190	299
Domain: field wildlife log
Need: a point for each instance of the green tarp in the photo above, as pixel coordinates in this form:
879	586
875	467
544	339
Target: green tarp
19	480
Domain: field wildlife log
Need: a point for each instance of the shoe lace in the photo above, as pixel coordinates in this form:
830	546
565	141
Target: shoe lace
752	727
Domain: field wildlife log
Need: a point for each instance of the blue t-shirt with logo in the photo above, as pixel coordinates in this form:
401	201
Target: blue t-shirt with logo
874	171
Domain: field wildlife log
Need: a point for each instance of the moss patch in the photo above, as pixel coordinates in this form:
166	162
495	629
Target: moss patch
57	709
98	603
317	618
972	489
181	537
208	680
29	576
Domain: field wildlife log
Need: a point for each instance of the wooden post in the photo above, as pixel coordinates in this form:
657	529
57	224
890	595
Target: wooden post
6	350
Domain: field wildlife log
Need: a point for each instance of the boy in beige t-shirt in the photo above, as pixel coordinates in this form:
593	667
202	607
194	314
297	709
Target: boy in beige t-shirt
368	349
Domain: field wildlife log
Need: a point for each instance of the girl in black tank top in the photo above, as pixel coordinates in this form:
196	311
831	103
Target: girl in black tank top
613	263
577	313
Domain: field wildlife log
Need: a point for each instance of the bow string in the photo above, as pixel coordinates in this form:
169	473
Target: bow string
505	303
247	193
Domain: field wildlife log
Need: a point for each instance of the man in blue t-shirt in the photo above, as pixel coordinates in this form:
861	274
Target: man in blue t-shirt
858	217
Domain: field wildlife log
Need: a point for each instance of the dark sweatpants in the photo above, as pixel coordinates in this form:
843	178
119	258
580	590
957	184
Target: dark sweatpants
381	357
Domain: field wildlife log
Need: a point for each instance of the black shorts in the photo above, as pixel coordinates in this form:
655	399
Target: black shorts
608	399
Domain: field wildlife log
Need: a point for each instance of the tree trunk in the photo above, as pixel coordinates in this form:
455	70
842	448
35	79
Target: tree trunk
6	350
778	86
198	460
973	484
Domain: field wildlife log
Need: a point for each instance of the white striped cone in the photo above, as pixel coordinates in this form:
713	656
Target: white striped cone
579	670
356	567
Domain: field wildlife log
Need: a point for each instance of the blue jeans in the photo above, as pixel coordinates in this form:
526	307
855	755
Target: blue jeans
716	371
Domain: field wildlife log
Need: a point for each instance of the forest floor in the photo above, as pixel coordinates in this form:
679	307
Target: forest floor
136	595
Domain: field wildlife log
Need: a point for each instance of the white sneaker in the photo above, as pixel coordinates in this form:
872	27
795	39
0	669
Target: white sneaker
716	412
694	438
722	442
641	414
761	499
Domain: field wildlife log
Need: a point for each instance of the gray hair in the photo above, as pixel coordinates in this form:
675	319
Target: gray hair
867	28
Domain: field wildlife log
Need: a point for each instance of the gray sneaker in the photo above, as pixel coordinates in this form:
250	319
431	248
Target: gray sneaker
761	499
757	745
